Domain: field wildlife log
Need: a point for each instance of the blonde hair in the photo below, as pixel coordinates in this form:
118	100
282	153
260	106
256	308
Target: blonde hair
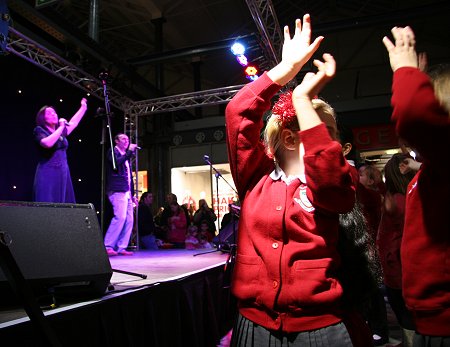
322	106
275	125
440	78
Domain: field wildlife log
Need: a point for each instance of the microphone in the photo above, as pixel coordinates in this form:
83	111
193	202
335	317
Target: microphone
66	123
137	147
103	75
206	159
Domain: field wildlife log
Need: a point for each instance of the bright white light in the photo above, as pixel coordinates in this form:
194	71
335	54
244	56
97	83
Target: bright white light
79	140
14	187
242	59
19	91
237	48
60	100
413	154
202	195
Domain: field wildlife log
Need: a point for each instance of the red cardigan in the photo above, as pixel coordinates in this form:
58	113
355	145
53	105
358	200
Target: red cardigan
425	250
286	254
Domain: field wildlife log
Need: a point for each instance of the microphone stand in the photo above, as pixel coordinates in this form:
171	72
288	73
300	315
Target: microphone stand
106	125
217	175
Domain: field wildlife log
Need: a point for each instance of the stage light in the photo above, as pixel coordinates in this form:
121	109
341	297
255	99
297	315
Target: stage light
237	48
242	59
251	70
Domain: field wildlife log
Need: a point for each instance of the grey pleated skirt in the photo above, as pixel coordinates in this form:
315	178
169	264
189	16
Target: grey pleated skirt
248	334
431	341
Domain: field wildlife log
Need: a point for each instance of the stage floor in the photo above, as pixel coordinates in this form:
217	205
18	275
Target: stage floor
159	266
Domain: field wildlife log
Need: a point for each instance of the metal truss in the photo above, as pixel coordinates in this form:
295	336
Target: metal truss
184	101
25	48
266	20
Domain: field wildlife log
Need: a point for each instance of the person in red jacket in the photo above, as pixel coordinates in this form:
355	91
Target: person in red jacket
421	111
389	238
292	189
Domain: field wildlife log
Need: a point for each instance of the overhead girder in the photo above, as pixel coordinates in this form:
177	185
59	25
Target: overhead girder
266	21
25	48
183	101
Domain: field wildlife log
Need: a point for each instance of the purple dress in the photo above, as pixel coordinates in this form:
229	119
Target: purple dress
52	181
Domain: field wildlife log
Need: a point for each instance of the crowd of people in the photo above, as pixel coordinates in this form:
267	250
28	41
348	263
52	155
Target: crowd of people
323	237
310	217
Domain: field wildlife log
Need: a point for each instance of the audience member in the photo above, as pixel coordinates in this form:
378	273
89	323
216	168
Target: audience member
285	273
204	213
166	212
370	198
389	239
360	271
421	112
177	226
146	225
192	240
204	231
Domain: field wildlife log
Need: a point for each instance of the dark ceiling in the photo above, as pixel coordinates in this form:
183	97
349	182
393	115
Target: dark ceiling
161	47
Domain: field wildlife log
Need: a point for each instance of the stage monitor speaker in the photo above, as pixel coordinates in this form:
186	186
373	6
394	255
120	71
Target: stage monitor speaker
58	248
228	235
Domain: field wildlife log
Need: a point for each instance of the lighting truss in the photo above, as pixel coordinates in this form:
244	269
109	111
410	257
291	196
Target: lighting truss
43	58
183	101
266	20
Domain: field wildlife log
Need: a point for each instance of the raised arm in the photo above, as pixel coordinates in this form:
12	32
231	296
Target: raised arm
311	85
75	120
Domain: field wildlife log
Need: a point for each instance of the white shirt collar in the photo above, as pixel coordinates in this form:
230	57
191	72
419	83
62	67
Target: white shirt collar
278	173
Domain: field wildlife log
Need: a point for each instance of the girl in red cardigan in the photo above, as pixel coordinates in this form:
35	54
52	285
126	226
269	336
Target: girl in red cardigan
421	110
292	190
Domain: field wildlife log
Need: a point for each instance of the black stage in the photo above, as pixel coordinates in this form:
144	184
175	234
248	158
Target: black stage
184	301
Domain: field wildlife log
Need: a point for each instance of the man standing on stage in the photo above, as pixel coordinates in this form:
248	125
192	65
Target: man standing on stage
120	191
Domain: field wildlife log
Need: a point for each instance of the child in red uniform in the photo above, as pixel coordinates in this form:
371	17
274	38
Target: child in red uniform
421	110
292	191
389	238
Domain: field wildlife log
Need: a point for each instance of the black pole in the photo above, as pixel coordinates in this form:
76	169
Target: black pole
218	204
106	126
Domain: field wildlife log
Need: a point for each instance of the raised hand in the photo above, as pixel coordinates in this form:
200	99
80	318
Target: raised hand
313	83
296	51
403	52
62	122
409	165
132	147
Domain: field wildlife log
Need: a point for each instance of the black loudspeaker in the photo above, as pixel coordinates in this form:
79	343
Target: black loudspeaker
228	235
57	247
